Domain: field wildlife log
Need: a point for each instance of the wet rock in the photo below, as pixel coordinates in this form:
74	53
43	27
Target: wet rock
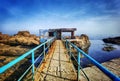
115	40
108	48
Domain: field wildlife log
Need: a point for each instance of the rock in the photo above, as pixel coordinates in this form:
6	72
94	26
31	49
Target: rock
82	42
21	38
95	74
115	40
108	48
24	33
13	46
4	38
7	50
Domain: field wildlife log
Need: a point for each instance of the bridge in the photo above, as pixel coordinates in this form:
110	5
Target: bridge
54	63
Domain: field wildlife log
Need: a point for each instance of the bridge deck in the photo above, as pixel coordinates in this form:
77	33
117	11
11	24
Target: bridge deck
57	66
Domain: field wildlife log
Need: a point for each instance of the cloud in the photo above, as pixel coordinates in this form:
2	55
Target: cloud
88	16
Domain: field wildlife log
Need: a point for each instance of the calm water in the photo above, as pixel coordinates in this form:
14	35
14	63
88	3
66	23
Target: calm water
97	53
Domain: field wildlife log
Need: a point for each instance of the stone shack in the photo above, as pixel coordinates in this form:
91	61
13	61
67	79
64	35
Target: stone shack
58	32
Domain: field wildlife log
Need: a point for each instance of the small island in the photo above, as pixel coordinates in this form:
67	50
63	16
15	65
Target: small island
114	40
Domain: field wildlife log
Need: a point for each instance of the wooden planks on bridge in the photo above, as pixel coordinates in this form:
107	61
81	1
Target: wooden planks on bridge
57	66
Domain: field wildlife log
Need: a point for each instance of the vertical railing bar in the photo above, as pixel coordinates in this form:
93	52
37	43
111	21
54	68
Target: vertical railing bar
70	52
84	73
78	74
66	43
33	59
31	52
101	67
44	51
24	73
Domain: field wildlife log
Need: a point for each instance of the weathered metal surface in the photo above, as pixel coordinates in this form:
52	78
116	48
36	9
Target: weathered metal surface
57	66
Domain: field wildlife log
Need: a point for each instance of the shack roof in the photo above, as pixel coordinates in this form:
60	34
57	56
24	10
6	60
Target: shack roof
63	30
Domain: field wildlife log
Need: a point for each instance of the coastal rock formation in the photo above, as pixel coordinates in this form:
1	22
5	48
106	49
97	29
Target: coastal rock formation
108	47
115	40
13	46
4	38
82	42
95	74
23	38
7	50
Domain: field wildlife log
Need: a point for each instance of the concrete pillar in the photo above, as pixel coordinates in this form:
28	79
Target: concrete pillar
72	34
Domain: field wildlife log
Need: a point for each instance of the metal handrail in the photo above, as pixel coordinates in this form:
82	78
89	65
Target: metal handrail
20	58
77	61
96	63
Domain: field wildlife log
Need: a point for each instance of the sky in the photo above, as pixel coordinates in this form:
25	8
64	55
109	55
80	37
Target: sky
91	17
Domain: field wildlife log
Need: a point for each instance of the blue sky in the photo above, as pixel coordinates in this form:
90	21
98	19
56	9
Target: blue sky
93	17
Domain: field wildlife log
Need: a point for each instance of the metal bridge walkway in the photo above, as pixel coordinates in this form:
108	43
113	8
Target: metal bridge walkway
57	66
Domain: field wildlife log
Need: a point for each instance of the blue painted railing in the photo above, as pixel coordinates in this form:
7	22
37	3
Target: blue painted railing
22	57
68	45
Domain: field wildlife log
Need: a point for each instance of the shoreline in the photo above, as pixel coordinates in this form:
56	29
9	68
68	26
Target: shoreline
112	65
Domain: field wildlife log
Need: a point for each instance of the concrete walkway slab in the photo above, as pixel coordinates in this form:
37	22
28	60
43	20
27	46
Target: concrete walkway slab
57	66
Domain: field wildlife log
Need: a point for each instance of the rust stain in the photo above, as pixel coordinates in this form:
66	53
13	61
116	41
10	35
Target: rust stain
48	55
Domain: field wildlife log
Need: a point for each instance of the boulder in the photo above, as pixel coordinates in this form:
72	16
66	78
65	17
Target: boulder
21	38
82	42
4	38
24	33
108	47
8	50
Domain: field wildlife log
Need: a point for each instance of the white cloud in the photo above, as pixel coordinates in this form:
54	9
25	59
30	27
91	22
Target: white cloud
91	25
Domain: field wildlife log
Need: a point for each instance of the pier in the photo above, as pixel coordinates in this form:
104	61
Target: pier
57	66
55	63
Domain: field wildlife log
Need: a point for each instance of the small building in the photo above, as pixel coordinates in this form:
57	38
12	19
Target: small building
58	32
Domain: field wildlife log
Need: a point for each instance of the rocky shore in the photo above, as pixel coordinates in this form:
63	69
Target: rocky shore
95	74
114	40
82	42
18	43
13	46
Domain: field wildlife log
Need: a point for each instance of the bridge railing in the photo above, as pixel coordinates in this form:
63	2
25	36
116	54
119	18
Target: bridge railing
22	57
68	45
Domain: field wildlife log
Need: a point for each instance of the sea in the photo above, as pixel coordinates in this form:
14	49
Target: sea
96	51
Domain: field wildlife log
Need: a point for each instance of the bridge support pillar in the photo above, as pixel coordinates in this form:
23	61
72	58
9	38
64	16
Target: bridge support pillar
72	34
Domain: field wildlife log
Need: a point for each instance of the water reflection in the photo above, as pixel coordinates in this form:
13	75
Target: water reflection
108	47
96	51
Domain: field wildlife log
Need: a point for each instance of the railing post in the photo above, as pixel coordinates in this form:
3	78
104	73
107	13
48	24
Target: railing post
70	52
44	51
33	59
78	74
49	43
66	43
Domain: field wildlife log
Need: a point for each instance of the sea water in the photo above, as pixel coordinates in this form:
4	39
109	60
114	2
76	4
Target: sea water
96	51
